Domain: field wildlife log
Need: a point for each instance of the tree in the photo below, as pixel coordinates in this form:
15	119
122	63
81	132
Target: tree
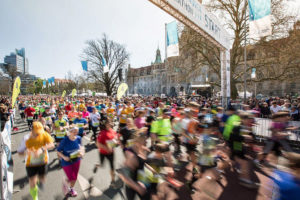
35	87
115	56
11	73
277	59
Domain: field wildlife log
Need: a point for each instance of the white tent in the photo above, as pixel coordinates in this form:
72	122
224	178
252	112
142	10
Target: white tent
248	94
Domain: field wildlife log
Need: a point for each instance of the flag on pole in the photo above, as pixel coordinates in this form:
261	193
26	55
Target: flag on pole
53	81
84	65
63	94
172	43
104	64
253	73
121	90
16	91
49	81
260	18
74	92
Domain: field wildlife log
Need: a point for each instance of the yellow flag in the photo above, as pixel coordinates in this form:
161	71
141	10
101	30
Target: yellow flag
74	93
16	91
121	90
63	94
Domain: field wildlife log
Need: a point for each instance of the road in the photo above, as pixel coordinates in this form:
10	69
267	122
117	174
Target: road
97	186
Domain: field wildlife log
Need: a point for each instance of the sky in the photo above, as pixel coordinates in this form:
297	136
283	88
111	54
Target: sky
54	32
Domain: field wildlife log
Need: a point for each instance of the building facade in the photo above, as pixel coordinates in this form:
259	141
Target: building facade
164	77
19	60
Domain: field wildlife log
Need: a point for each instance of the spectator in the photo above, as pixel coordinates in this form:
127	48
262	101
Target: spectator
265	110
4	115
294	113
275	108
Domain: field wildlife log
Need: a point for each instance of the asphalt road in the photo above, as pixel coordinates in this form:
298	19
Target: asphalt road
88	186
97	185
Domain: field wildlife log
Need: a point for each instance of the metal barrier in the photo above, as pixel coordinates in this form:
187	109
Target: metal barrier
262	129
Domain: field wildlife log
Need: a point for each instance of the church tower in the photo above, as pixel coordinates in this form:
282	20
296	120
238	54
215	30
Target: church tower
158	57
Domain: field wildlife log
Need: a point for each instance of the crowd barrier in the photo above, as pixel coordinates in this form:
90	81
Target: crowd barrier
6	172
262	129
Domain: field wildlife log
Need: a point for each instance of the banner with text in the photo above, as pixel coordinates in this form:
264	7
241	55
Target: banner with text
197	13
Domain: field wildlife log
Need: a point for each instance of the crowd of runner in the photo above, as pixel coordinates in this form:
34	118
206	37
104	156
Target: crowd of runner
157	136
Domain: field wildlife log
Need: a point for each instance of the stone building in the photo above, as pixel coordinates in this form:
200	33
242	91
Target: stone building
273	64
162	77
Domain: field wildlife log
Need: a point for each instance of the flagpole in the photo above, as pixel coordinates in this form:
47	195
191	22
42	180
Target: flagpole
245	54
166	54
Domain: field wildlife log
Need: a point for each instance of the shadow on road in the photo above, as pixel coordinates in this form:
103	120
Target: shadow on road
109	193
89	147
21	182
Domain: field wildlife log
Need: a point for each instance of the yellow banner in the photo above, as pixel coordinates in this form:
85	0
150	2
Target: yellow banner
16	91
63	94
121	90
74	93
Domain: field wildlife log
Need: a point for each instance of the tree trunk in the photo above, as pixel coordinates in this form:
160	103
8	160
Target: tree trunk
108	90
234	91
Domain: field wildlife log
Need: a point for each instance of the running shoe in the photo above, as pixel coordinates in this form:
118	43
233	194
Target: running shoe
73	193
40	185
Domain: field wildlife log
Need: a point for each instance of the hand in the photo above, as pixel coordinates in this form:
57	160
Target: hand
109	149
141	189
81	152
67	159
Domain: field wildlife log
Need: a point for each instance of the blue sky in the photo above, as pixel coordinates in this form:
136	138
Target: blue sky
54	32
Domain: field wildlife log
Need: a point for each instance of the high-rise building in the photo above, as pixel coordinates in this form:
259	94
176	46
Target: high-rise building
18	60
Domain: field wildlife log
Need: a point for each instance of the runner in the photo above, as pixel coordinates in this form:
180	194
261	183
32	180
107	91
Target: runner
81	123
46	115
22	108
123	116
72	115
135	158
37	111
35	146
161	131
29	113
110	111
70	151
95	122
106	142
60	127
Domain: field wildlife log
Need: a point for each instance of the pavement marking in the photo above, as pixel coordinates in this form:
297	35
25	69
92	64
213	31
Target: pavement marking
89	189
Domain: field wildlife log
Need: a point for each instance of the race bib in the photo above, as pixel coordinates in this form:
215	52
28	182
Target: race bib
74	154
80	125
95	124
37	160
48	120
59	134
30	118
111	143
130	143
123	117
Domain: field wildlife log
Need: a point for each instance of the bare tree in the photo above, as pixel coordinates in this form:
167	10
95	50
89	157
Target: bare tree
115	56
10	72
279	59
